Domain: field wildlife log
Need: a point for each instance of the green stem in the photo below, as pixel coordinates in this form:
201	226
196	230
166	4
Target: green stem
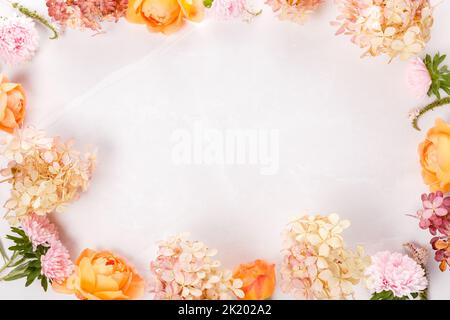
8	263
431	106
36	16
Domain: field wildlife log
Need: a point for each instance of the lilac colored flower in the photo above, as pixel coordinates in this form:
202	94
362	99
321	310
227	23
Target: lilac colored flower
18	39
39	230
56	264
397	273
228	9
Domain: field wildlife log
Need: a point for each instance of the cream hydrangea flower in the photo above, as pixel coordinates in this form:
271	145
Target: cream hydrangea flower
316	264
187	270
393	27
45	173
294	10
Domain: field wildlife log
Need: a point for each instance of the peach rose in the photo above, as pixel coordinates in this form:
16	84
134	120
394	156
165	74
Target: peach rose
102	276
435	157
258	279
12	105
164	16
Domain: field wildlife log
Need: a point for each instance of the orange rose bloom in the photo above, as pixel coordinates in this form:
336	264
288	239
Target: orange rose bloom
435	157
258	279
12	105
102	276
165	16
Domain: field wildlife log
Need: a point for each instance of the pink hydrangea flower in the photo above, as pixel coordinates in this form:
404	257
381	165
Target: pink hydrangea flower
18	39
418	78
435	213
39	230
397	273
228	9
56	264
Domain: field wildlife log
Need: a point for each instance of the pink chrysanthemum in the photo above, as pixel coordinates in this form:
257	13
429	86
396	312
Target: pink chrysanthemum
418	78
397	273
228	9
18	39
39	230
56	264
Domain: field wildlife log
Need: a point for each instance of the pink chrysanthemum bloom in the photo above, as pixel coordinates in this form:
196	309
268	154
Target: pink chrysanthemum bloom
39	230
18	39
294	10
56	264
397	273
418	78
228	9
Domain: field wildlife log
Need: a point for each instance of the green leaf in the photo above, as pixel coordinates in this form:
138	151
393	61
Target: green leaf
19	232
447	90
32	276
438	59
16	239
208	3
383	295
44	283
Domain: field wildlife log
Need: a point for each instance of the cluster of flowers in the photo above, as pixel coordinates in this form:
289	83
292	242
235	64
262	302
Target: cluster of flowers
186	270
316	264
45	173
85	13
435	216
395	276
294	10
392	27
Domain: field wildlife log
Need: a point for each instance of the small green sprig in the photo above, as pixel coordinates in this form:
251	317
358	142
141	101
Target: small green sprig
36	16
429	107
440	75
25	260
389	295
208	3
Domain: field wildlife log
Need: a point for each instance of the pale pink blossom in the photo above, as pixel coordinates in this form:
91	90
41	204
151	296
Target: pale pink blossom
418	78
187	270
397	273
39	230
18	39
56	264
228	9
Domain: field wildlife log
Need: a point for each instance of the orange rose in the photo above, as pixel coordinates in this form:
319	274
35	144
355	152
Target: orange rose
165	16
258	279
12	105
435	157
102	276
